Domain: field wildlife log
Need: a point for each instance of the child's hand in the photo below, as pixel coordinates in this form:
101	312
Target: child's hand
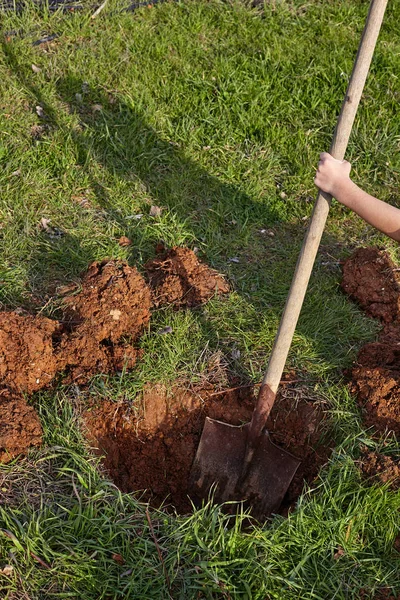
331	174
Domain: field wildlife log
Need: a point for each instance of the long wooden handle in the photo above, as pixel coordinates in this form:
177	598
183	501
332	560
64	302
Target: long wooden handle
311	242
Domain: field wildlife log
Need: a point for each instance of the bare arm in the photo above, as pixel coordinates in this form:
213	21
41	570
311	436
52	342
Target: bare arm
333	176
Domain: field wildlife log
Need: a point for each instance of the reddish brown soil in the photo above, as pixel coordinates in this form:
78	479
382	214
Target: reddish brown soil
20	427
101	326
396	544
153	450
106	318
98	332
178	277
378	394
380	468
27	360
382	594
371	279
386	594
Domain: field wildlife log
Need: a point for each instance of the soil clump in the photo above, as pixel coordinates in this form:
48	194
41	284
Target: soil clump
380	468
152	449
27	358
178	277
378	393
20	427
98	332
372	279
105	319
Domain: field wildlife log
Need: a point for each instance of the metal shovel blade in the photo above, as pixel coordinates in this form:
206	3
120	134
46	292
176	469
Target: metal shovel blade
219	462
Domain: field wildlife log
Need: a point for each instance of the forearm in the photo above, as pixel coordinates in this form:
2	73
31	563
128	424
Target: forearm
383	216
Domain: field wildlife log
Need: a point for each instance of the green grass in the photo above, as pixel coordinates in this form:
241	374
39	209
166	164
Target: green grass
216	112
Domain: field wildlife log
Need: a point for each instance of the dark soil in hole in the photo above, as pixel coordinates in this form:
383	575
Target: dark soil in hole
380	468
372	279
153	450
20	427
178	277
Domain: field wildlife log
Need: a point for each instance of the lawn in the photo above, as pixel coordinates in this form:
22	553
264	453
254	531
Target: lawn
216	112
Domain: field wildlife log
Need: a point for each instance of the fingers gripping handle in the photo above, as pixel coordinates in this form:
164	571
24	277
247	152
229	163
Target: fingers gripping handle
312	239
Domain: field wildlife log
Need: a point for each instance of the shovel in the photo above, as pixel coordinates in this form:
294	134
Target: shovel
242	463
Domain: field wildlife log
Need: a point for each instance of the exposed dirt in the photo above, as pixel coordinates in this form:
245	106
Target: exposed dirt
27	359
371	279
153	449
378	394
99	330
98	333
386	594
382	594
396	544
178	277
20	427
380	468
105	320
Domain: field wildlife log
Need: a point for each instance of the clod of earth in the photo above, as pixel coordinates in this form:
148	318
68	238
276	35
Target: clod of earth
106	319
100	328
378	388
178	277
372	279
20	427
153	448
380	468
27	359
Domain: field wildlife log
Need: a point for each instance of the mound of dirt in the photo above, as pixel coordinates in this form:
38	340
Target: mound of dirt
380	468
27	357
372	279
178	277
153	450
114	301
105	320
378	389
101	325
20	427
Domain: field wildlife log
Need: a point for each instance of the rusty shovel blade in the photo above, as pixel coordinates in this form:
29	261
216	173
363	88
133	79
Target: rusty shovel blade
219	462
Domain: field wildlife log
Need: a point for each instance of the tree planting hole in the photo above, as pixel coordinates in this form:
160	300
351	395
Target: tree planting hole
150	450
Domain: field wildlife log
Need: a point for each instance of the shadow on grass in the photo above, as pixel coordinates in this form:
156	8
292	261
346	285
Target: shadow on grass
116	140
119	139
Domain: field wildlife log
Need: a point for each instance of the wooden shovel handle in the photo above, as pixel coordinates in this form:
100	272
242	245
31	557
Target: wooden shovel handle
312	239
